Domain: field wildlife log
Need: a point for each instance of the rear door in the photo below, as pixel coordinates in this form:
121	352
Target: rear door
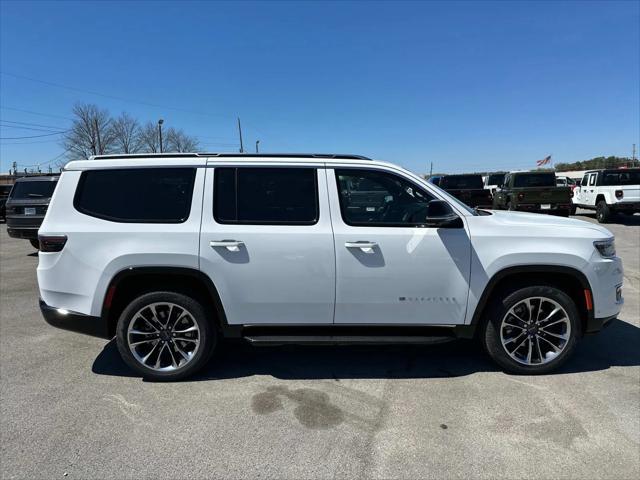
266	242
390	268
588	192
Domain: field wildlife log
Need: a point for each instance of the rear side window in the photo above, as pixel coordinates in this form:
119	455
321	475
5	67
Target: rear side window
136	195
285	196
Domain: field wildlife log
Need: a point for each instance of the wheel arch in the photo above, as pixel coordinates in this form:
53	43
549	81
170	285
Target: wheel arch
568	279
134	281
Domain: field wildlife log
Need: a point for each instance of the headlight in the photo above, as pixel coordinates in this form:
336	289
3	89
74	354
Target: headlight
606	248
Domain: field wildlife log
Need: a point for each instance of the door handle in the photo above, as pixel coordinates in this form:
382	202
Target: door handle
231	245
366	247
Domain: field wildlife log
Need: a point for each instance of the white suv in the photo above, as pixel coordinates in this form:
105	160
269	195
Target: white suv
609	192
172	253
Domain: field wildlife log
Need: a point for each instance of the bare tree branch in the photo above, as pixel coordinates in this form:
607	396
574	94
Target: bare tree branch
178	141
126	133
90	124
148	137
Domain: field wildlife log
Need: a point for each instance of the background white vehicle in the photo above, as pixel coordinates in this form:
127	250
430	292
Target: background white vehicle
609	192
279	249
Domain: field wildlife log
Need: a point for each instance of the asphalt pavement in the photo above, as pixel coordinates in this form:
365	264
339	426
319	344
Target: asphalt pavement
70	408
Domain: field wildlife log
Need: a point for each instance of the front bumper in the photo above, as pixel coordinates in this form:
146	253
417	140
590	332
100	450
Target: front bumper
75	322
594	325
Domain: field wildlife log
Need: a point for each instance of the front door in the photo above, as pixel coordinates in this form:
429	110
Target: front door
266	242
390	268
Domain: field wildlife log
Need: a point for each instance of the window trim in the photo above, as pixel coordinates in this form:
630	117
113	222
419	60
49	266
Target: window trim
81	183
266	222
379	224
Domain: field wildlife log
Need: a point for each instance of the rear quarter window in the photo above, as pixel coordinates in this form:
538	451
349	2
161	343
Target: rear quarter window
136	195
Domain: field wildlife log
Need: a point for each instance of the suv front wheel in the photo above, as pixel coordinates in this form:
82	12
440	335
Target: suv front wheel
165	336
532	330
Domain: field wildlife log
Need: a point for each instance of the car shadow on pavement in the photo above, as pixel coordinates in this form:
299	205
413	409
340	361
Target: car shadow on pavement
620	219
617	345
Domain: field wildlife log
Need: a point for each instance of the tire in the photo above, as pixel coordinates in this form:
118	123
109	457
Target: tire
510	207
34	243
548	352
565	213
168	356
573	210
603	212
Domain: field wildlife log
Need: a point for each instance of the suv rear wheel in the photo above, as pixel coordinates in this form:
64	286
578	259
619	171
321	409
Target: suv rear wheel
603	212
165	336
532	330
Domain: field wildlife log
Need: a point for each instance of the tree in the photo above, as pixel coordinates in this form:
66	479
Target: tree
126	133
90	132
178	141
149	139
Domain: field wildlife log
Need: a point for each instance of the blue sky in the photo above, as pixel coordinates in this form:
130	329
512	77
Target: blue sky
468	85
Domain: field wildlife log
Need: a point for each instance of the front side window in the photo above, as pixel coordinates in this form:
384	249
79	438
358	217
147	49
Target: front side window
286	196
585	180
136	195
370	197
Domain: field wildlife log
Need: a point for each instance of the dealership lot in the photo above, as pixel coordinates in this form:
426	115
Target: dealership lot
70	406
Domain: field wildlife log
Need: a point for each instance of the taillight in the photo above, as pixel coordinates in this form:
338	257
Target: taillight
52	243
619	194
520	196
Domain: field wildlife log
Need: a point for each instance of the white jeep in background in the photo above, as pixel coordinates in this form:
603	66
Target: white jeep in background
609	192
173	253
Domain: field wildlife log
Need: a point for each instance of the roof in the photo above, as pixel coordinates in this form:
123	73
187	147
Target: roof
39	178
202	159
234	155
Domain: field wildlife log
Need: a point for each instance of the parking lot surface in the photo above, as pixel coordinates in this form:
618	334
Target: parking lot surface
70	407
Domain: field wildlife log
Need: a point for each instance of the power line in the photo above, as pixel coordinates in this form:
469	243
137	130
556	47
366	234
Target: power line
29	124
35	113
113	97
33	136
21	127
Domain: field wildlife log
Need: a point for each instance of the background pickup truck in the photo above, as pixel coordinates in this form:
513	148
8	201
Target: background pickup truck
468	189
609	192
533	192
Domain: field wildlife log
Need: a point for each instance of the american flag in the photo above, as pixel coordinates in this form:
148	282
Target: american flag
544	161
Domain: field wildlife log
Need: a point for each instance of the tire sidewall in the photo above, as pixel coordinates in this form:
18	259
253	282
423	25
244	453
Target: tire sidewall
499	308
208	335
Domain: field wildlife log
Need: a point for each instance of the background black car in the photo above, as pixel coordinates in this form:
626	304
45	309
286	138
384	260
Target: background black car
467	188
4	194
27	205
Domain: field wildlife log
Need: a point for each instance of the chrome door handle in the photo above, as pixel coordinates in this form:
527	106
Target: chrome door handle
231	245
366	247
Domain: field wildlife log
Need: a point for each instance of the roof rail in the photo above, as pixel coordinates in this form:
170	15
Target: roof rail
240	155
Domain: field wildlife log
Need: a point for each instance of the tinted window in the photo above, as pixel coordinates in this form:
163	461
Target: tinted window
495	179
137	195
585	180
592	178
266	195
393	201
621	177
33	190
535	180
461	182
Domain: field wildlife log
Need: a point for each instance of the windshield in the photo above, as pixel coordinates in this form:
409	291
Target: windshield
450	198
524	180
35	189
495	179
621	177
461	181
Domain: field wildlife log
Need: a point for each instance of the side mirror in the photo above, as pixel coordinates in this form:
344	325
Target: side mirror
441	215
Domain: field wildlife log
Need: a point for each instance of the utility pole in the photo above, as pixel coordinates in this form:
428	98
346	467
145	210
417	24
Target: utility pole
95	122
160	122
15	168
431	170
633	154
257	143
240	132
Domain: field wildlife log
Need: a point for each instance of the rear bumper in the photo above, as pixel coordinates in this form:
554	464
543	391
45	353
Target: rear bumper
75	322
626	206
28	233
535	208
594	325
